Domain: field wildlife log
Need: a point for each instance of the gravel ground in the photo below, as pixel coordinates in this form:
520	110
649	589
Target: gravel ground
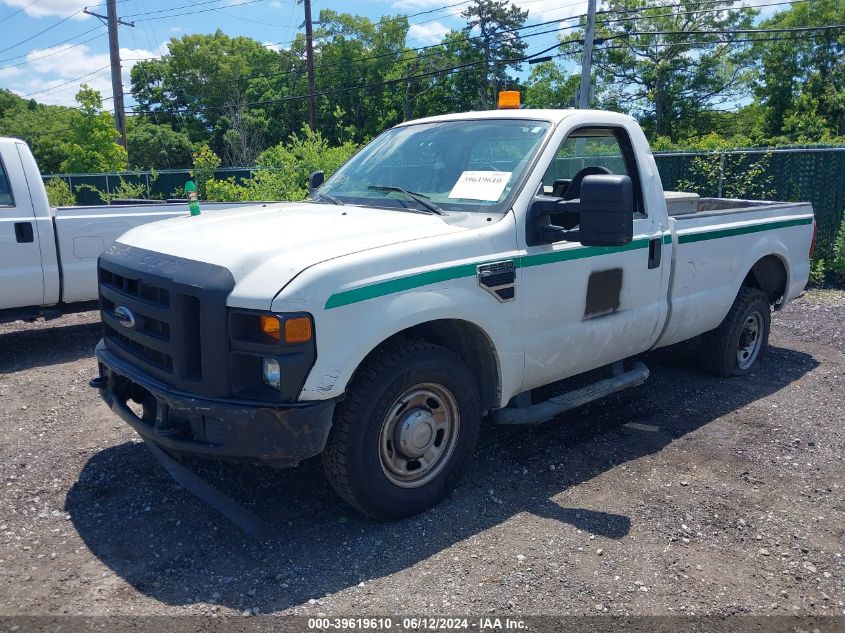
690	494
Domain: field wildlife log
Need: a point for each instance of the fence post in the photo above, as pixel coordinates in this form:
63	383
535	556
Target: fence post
721	173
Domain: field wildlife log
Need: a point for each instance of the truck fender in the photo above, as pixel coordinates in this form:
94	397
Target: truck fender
361	334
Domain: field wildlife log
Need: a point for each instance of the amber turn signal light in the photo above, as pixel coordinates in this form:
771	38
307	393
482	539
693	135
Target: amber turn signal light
298	330
271	327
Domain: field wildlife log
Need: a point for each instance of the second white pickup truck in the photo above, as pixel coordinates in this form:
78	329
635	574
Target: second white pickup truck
48	257
446	272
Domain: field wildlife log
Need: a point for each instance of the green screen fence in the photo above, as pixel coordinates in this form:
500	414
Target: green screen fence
815	175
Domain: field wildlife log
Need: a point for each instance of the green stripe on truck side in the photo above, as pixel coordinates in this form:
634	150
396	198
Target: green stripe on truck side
391	286
687	238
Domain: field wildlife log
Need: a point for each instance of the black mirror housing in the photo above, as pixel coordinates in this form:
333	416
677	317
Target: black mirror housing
315	180
604	214
607	211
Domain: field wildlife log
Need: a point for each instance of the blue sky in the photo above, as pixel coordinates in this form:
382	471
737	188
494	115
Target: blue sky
51	46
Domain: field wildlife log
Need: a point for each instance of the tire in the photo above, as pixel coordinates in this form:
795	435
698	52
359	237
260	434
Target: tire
397	405
736	346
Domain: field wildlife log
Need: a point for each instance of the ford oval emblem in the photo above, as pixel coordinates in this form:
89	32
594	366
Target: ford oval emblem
125	317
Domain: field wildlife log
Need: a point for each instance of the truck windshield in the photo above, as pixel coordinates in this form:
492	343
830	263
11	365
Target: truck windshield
469	165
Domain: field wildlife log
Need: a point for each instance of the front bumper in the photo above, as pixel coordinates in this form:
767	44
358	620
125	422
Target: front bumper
228	429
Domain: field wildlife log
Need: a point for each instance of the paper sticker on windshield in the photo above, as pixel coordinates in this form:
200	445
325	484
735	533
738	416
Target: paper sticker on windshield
481	185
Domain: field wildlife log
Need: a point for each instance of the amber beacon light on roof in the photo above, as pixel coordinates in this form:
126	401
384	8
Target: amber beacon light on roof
509	100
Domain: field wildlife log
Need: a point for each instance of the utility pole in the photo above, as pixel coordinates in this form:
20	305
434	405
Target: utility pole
112	21
587	60
309	65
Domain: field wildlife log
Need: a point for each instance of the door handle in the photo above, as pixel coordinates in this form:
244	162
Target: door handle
23	232
655	251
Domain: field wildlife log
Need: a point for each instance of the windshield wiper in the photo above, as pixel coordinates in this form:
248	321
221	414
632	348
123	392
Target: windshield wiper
328	197
413	195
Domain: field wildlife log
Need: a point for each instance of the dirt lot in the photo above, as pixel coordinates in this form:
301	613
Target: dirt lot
690	494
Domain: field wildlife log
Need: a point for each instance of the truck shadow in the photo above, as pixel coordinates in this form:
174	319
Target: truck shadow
25	349
170	546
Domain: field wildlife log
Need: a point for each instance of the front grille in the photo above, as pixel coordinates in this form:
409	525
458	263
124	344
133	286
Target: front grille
176	331
159	359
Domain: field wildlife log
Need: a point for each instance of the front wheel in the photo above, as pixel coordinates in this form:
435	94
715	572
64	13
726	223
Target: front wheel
405	430
734	348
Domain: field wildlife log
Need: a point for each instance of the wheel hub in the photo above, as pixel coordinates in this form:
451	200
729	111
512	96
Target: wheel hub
750	341
418	435
415	434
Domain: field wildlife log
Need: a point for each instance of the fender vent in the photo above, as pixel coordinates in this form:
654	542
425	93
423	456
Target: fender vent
499	279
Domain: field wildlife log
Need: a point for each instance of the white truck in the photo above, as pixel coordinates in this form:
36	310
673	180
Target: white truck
48	257
449	270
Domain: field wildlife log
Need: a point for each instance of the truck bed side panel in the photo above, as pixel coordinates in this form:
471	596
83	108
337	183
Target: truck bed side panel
714	252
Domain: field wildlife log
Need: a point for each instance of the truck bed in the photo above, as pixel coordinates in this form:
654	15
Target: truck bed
715	237
683	203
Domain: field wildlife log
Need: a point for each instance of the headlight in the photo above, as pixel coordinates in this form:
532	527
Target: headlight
271	373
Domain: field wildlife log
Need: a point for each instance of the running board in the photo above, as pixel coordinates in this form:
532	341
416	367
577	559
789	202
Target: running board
535	414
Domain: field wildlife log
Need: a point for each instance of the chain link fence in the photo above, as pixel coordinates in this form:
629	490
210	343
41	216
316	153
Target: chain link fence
814	174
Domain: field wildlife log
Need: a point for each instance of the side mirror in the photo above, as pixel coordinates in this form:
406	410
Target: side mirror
604	214
607	211
315	180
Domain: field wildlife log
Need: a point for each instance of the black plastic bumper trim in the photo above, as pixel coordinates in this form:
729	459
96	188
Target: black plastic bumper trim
242	430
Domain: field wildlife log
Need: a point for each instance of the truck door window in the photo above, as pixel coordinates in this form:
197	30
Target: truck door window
589	151
6	199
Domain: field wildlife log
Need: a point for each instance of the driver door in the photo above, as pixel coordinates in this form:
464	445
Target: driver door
587	306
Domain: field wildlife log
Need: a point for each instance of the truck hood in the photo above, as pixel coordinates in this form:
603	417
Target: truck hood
266	246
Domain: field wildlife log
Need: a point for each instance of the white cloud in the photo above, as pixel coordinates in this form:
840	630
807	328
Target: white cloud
428	33
46	8
54	75
272	46
11	71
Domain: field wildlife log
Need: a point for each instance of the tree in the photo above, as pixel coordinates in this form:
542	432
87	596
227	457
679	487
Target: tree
663	63
549	86
802	81
153	146
497	22
46	128
93	146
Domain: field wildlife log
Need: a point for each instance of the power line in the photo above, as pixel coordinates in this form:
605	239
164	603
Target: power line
795	29
70	81
55	52
41	32
176	15
14	13
47	48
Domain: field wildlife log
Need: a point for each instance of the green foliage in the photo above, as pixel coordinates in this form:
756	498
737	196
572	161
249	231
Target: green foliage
549	86
729	176
92	146
59	193
46	128
817	272
494	21
156	146
125	190
669	80
284	169
837	263
802	81
226	190
206	163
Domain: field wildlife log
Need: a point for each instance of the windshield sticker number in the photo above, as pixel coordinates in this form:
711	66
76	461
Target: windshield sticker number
481	185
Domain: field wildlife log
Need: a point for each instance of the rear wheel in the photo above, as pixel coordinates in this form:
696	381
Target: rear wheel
405	430
735	347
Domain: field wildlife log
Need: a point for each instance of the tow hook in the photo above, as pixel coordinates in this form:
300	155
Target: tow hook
99	382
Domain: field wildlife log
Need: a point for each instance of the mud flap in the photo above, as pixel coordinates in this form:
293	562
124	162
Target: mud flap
236	513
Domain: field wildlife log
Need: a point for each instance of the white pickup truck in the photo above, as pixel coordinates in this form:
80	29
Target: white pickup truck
447	271
48	257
